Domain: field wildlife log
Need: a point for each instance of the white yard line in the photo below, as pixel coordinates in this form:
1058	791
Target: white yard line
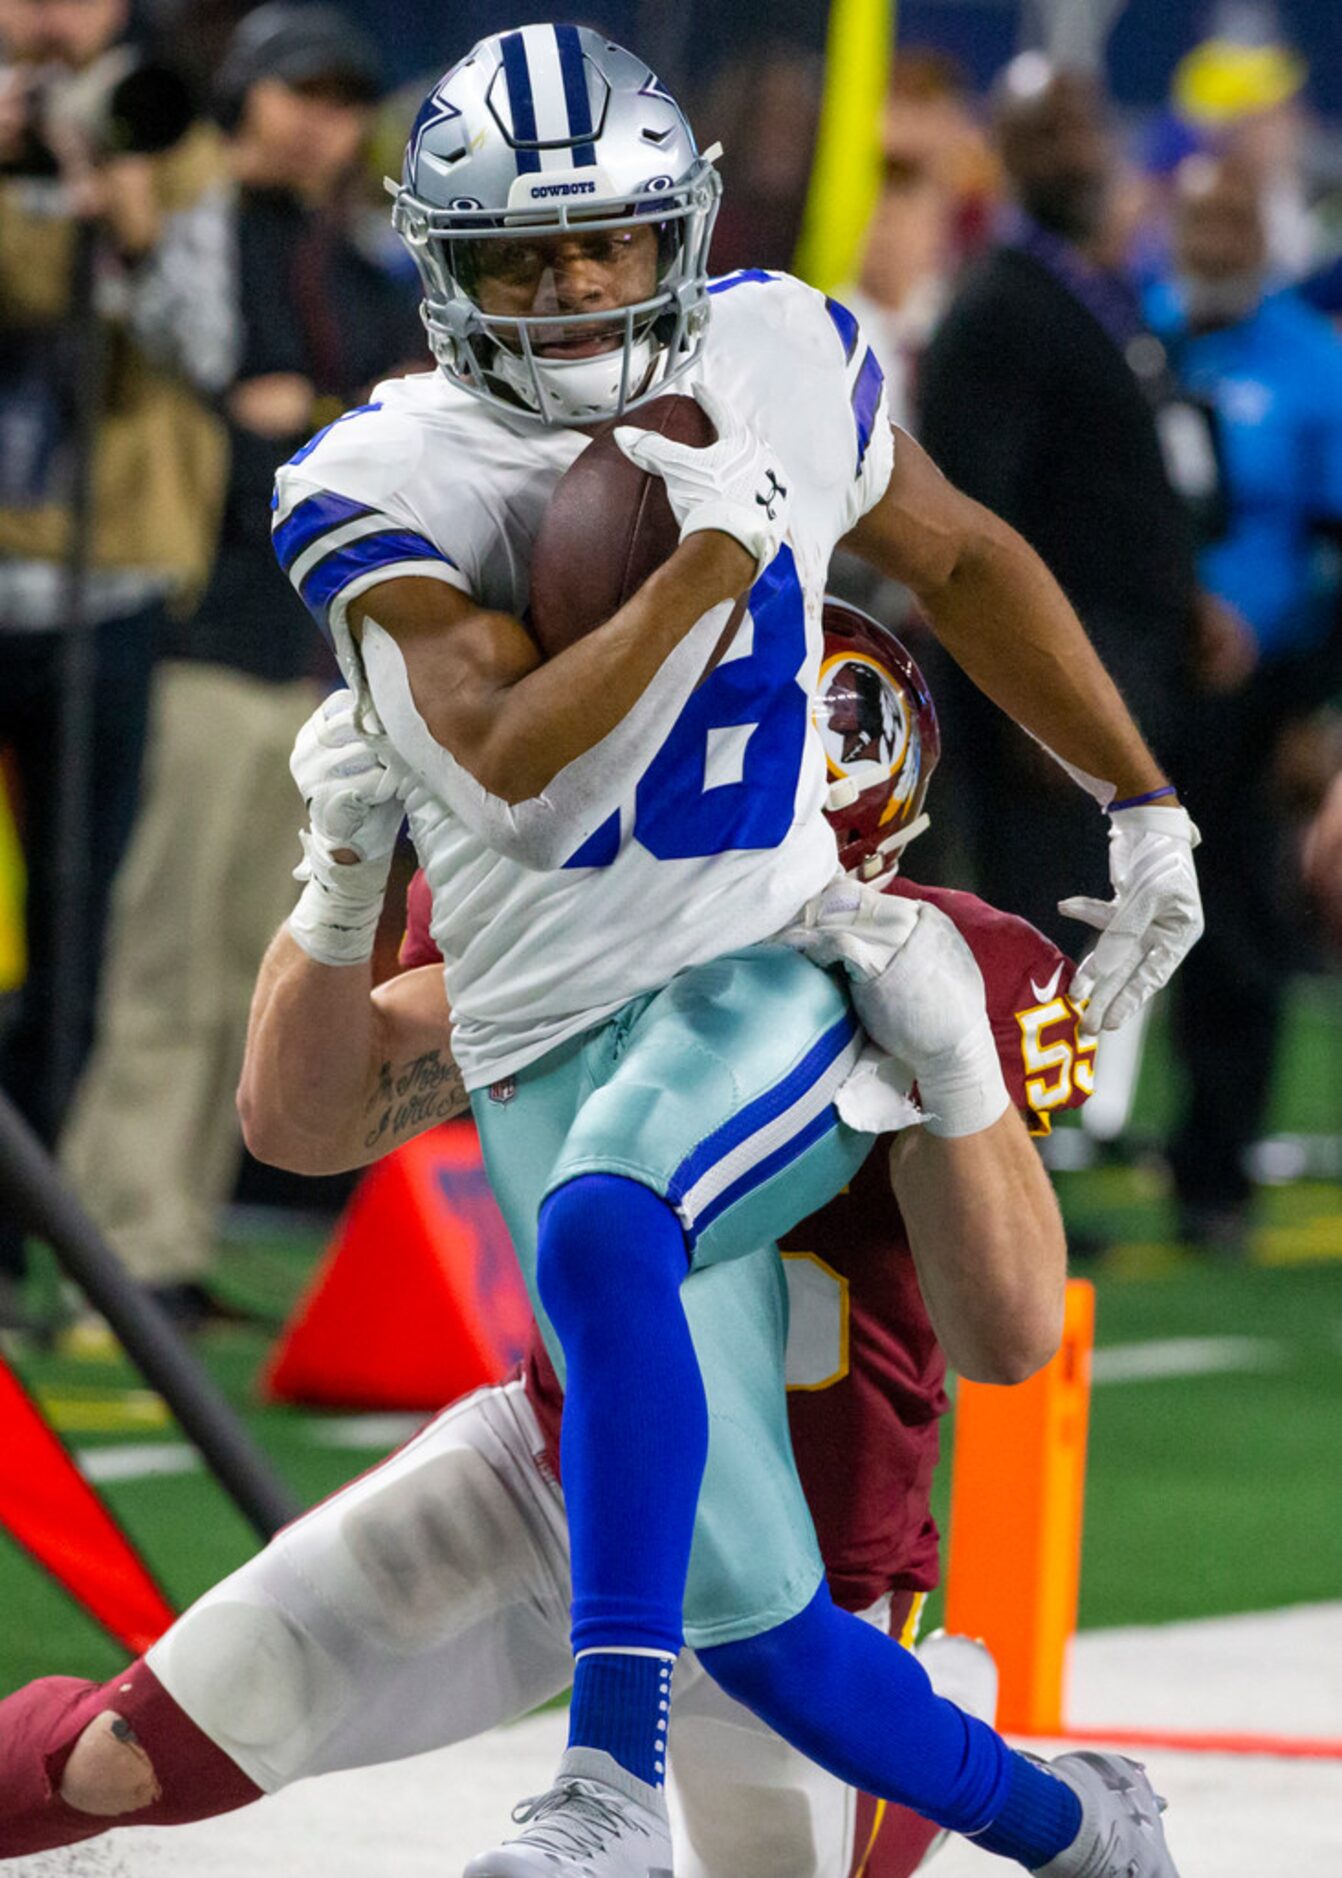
380	1432
138	1460
1184	1356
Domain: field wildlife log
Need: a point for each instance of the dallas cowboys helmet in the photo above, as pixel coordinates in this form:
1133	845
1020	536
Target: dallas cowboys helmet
538	131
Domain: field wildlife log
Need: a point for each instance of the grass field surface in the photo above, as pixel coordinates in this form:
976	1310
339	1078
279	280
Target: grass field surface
1214	1484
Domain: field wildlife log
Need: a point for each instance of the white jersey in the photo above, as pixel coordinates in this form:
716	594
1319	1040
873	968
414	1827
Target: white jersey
724	838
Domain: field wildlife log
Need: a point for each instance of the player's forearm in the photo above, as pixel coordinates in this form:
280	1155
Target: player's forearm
532	755
310	1068
1006	622
337	1074
562	708
988	1244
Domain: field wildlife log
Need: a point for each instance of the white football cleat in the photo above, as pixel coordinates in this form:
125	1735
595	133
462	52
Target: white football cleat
597	1821
1121	1833
961	1669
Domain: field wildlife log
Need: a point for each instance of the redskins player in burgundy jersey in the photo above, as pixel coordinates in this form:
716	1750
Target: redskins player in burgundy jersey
866	1379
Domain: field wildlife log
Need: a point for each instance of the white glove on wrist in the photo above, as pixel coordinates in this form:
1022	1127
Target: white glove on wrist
1154	918
736	484
918	990
352	803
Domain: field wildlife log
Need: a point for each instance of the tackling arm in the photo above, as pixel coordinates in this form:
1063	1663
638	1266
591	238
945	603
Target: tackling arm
338	1073
988	1244
1000	614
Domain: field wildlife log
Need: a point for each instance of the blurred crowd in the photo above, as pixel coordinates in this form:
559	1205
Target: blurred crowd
1119	337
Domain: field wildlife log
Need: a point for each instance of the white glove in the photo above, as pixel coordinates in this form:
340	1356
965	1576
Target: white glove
736	484
1154	918
919	992
351	795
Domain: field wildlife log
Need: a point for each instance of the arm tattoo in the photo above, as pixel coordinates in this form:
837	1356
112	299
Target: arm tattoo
412	1096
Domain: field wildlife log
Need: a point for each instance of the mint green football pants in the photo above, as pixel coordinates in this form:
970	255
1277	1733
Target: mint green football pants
718	1093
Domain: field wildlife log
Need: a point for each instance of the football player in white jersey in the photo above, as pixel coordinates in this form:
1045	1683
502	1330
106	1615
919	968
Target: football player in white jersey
560	214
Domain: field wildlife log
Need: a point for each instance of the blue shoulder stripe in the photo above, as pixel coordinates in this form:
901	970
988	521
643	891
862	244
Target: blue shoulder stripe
738	279
866	398
336	570
845	324
315	516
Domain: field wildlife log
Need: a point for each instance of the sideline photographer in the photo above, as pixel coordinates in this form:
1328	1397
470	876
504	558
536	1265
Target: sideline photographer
118	321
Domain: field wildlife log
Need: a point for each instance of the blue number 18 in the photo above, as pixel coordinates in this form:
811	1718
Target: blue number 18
747	720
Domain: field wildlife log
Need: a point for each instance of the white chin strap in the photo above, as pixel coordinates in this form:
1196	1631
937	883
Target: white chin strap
879	868
576	390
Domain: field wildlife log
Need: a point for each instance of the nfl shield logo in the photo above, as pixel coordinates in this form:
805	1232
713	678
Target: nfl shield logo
503	1091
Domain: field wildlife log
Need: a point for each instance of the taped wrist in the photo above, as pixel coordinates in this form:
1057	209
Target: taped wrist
960	1088
336	919
963	1091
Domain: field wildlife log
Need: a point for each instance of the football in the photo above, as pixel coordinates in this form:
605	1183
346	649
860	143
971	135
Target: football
607	527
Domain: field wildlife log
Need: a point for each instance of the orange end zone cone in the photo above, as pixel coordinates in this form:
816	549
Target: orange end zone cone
419	1297
1017	1488
49	1508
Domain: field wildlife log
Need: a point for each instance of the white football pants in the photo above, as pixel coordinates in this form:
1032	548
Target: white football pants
429	1601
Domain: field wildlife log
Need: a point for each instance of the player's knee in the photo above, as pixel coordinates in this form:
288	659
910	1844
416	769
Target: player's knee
108	1772
602	1236
251	1678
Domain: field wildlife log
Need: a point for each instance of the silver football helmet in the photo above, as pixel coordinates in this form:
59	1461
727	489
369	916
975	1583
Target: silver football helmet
538	131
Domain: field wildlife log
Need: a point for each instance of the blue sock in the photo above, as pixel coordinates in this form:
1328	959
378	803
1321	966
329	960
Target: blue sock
1040	1817
855	1702
622	1703
611	1259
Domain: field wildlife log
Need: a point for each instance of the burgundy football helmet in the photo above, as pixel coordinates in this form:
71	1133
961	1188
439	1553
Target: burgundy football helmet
878	724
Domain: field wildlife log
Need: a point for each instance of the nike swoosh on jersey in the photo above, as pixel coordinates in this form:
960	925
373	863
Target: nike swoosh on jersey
1045	992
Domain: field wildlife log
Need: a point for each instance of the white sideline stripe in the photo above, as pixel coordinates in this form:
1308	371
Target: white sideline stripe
759	1146
138	1460
1184	1356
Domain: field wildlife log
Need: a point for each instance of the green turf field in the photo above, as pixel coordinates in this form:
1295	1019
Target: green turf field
1207	1492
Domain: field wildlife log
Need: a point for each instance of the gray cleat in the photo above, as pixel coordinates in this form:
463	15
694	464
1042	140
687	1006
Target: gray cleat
597	1821
1121	1835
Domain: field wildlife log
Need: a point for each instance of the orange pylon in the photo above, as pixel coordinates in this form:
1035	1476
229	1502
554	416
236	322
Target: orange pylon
1017	1489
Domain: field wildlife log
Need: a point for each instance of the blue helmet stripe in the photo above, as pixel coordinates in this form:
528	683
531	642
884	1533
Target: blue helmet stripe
576	100
520	101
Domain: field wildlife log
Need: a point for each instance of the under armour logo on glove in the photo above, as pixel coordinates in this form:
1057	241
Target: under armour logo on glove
729	485
777	492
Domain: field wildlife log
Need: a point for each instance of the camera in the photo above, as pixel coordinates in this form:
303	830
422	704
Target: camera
123	104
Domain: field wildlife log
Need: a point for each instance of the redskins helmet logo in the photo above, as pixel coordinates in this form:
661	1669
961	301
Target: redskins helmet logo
862	719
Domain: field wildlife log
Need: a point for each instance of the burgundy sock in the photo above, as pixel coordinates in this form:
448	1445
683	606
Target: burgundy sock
39	1726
